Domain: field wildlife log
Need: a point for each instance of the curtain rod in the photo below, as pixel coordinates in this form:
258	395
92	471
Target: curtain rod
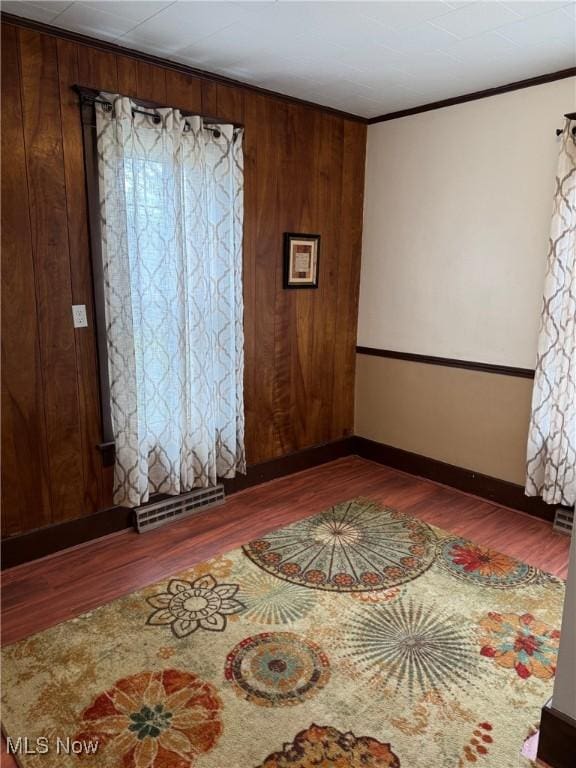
570	116
92	96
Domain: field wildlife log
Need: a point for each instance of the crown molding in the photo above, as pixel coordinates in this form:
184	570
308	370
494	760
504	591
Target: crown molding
104	45
551	77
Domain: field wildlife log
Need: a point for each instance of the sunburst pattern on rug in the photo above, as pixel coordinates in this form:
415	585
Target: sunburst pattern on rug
360	638
351	547
417	646
271	601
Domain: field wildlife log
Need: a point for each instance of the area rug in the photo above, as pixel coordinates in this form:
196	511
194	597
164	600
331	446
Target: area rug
358	638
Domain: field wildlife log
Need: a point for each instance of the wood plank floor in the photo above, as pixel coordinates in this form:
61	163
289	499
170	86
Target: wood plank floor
45	592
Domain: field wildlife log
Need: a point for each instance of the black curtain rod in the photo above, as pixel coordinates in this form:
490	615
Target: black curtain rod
570	116
91	96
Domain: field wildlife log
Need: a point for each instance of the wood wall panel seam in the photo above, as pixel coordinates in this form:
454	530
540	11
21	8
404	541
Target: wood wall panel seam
44	153
127	72
97	69
80	275
151	81
184	92
81	433
354	147
34	272
45	451
334	264
25	486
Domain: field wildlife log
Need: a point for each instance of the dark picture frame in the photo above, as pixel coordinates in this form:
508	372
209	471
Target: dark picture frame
301	260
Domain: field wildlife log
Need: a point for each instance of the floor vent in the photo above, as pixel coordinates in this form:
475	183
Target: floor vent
176	507
564	520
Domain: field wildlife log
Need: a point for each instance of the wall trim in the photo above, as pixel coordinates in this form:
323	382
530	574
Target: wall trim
53	538
493	489
104	45
517	85
503	370
557	739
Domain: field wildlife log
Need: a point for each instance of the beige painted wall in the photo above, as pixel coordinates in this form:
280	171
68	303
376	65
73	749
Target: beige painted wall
456	219
474	420
457	211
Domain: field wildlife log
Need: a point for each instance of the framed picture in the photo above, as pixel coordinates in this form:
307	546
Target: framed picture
301	259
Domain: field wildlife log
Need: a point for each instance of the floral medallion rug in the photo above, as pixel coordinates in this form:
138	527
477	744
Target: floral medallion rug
358	638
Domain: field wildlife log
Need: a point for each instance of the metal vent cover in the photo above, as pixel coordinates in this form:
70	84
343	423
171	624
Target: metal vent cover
564	520
177	507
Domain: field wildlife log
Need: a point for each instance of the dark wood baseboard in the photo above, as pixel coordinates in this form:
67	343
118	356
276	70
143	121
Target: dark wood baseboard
292	462
46	541
557	739
491	488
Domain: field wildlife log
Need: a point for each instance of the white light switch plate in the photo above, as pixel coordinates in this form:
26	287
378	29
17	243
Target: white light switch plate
79	316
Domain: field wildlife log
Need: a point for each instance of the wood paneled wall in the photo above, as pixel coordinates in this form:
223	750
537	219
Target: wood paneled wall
304	172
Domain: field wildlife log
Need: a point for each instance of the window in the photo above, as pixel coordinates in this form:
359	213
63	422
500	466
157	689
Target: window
166	230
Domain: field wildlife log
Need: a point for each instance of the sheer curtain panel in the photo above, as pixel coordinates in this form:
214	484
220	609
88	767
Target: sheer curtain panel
171	212
551	465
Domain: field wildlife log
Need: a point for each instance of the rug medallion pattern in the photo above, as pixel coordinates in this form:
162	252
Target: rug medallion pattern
483	565
347	548
276	669
358	638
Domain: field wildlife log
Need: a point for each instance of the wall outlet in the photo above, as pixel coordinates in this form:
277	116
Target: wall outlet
79	316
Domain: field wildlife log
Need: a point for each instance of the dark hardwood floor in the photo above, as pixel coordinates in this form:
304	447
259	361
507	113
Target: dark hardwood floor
45	592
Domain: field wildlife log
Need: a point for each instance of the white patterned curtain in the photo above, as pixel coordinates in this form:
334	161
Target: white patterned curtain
171	205
551	459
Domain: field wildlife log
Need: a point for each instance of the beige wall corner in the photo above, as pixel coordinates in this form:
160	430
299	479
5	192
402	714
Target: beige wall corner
471	419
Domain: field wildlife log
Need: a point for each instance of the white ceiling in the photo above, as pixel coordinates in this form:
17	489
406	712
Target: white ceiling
368	58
